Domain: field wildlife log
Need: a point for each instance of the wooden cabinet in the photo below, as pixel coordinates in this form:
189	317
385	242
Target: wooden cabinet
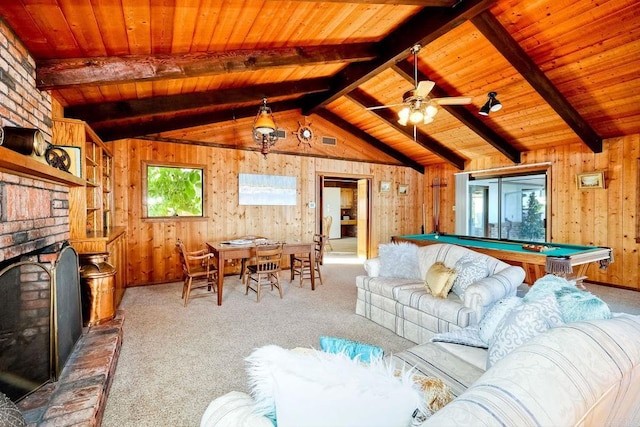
91	205
346	198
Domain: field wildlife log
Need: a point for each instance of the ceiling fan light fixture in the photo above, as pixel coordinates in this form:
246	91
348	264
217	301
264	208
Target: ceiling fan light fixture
427	119
403	116
416	116
431	110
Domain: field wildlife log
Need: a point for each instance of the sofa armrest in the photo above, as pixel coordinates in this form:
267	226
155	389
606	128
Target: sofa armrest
481	295
372	267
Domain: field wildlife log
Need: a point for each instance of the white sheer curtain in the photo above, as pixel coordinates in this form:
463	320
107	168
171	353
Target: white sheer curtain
462	199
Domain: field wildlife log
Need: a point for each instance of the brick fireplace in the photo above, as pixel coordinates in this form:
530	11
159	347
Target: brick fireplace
34	228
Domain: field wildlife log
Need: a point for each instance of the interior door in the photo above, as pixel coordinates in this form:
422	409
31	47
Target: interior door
363	219
331	207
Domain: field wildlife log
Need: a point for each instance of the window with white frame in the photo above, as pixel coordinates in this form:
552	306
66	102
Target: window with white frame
509	206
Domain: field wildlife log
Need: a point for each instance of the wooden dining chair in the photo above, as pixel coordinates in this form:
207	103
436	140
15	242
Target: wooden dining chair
326	229
302	262
198	270
265	270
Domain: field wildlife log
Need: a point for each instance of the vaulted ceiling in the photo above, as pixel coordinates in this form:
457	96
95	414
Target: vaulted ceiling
565	71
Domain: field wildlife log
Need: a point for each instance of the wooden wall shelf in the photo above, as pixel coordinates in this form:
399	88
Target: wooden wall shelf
19	164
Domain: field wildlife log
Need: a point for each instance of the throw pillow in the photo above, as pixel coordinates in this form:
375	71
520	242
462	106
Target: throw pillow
232	410
521	324
399	260
319	389
466	336
576	305
491	319
469	270
545	286
440	279
10	415
353	349
436	396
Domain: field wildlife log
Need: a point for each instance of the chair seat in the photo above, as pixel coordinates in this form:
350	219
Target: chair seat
198	271
264	270
301	265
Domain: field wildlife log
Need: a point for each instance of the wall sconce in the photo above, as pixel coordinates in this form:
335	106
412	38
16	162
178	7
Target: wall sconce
264	128
492	104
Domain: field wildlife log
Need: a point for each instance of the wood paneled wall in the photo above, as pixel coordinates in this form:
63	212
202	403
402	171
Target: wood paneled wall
600	217
151	243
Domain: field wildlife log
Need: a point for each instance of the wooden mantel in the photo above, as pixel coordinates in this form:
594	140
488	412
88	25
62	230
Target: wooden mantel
19	164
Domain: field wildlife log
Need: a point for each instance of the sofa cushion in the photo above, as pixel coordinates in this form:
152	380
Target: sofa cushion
387	286
578	374
437	361
449	309
469	270
399	260
521	324
465	336
439	279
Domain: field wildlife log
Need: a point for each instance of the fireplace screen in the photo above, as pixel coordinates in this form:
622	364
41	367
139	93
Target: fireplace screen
40	321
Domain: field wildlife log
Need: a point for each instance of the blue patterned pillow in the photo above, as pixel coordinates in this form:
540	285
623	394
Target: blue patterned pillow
466	336
365	352
492	318
521	324
470	269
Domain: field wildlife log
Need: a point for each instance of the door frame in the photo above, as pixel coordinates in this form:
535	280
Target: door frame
320	177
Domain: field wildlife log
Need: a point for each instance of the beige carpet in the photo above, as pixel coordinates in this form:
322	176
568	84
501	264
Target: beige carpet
175	360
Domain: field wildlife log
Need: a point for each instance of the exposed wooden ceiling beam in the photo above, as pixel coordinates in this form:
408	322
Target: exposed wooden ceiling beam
63	73
406	70
389	117
426	3
165	104
376	143
159	124
493	30
424	27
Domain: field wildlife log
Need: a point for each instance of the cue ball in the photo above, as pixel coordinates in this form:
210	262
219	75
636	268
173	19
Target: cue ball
436	236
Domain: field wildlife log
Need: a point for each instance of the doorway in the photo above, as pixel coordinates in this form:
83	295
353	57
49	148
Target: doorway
346	200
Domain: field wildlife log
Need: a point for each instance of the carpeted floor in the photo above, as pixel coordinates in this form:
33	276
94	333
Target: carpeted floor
175	360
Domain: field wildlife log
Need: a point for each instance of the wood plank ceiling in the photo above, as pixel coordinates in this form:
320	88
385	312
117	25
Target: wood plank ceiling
565	71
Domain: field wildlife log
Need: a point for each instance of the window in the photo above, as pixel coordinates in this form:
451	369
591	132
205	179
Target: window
509	207
173	191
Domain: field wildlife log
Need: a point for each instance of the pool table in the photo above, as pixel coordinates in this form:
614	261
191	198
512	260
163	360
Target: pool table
556	258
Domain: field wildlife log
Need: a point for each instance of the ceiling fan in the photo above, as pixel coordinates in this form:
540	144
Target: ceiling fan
418	106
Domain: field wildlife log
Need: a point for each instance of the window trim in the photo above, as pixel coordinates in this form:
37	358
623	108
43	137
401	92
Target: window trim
144	206
523	170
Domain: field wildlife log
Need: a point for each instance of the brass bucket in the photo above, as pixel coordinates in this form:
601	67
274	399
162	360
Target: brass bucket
98	289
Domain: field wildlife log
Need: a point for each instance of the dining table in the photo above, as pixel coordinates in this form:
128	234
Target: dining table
242	249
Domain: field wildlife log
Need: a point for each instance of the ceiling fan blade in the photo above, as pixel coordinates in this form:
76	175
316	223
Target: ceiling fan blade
378	107
424	87
453	100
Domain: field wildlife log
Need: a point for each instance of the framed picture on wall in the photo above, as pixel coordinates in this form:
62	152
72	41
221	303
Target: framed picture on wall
385	186
403	189
590	180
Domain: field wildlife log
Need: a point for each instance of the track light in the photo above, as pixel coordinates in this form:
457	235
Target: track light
492	104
